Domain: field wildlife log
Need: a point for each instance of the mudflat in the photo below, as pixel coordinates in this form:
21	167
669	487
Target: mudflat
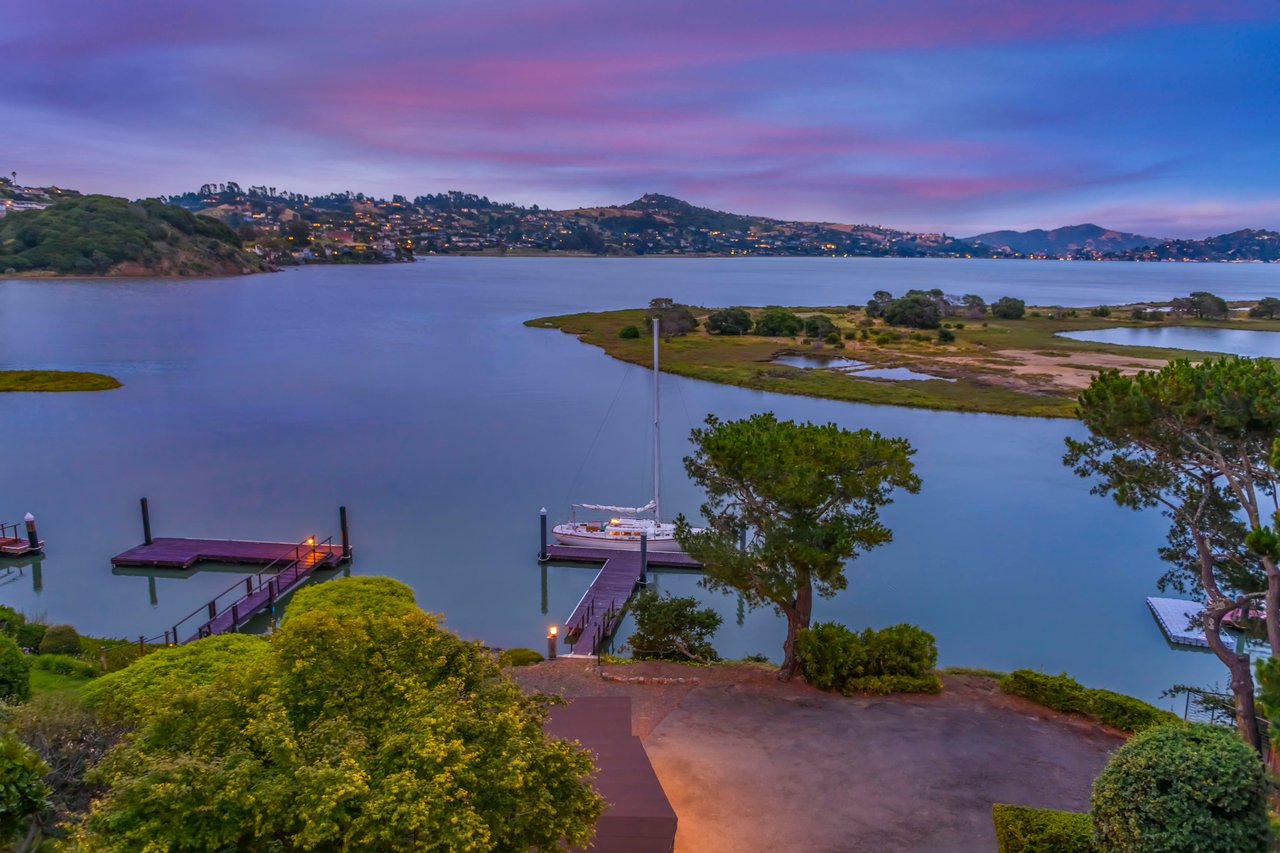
751	764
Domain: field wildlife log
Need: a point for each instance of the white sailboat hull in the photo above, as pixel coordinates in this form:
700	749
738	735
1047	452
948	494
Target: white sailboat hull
579	535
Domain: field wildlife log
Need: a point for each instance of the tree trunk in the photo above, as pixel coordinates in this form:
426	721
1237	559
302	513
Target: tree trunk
798	615
1246	714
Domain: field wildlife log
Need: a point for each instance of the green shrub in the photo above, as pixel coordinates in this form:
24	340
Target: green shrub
63	665
885	338
672	628
23	792
850	335
946	336
959	326
1100	311
1008	308
629	332
1126	713
1020	829
778	322
1060	692
730	321
31	634
818	326
519	657
1182	787
15	671
1064	693
60	640
897	659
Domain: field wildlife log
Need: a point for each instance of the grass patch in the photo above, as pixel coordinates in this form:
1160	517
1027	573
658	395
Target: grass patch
55	380
972	670
46	683
977	384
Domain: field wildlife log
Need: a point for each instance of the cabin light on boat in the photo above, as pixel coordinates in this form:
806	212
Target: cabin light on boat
614	520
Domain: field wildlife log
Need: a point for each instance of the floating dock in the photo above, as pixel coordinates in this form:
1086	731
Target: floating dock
169	553
1174	615
19	539
599	611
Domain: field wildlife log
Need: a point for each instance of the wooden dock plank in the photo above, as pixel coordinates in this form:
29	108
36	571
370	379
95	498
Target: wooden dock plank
172	553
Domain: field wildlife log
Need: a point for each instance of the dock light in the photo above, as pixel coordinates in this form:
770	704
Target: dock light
311	540
551	642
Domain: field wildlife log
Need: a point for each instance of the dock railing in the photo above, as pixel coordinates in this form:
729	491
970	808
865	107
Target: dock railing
277	578
12	531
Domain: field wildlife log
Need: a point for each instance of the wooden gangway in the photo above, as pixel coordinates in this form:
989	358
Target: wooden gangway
285	567
599	612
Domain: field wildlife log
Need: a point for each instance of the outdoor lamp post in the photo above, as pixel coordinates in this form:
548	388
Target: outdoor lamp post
551	642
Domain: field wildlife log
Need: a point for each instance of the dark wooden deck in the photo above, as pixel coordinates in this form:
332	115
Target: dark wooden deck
599	611
168	553
639	817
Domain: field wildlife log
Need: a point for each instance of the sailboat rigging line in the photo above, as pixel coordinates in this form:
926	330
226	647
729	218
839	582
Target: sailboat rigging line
599	431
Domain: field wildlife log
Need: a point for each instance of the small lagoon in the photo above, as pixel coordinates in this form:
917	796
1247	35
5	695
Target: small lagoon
855	368
1254	344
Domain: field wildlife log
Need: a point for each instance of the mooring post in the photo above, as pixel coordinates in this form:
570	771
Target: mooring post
551	642
644	558
346	533
146	523
542	523
32	539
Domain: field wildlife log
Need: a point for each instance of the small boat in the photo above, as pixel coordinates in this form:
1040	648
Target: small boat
621	529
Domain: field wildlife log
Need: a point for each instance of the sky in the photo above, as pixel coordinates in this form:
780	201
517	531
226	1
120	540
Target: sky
1155	116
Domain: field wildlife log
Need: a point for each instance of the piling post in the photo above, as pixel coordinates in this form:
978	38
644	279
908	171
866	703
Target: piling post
32	538
644	558
346	533
551	642
146	523
542	523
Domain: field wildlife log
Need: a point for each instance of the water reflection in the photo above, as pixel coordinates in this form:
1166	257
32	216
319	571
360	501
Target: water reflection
1247	342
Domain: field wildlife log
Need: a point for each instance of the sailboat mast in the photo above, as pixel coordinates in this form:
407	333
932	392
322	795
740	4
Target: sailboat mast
657	441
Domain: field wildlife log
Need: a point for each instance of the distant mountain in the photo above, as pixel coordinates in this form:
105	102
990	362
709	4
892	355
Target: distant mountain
1248	244
102	235
669	223
1063	242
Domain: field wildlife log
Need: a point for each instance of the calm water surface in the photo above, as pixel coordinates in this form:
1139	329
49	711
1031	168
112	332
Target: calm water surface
1239	341
253	407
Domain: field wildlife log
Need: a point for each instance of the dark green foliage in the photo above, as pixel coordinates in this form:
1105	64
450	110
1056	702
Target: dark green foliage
1100	311
1186	787
974	305
1020	829
519	657
16	625
672	628
818	326
1142	314
63	665
23	792
15	671
1060	692
1125	712
60	640
1008	308
730	321
1201	304
775	322
1063	693
89	235
1268	308
946	336
632	332
900	658
674	319
878	302
917	310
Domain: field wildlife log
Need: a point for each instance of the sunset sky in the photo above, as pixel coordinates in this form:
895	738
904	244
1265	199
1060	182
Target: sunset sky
1157	116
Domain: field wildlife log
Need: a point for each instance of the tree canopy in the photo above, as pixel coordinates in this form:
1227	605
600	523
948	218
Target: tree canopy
1008	308
805	496
730	321
360	724
775	322
1195	441
917	310
674	319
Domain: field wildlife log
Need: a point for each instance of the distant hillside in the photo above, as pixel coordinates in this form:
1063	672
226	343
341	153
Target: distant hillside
1063	242
1245	245
102	235
671	222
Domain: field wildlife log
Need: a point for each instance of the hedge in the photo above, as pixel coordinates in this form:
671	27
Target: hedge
1063	693
897	659
64	665
519	657
1021	829
60	640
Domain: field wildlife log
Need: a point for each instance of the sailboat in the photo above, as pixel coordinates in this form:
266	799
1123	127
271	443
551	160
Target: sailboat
622	528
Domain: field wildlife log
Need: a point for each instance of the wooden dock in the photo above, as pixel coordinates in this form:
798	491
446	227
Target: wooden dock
1174	616
599	612
285	567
